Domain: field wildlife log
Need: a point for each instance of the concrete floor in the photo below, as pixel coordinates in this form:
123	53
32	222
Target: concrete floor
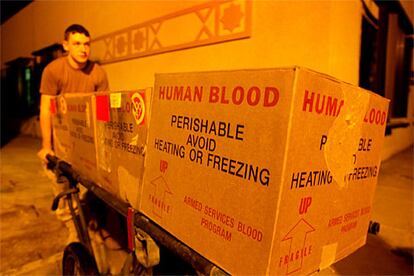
32	239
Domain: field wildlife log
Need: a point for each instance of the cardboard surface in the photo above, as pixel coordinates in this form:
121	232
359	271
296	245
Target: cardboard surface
277	167
103	136
73	131
121	120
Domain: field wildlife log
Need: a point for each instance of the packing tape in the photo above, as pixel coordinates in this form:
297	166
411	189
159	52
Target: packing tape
344	135
88	115
328	255
103	153
128	183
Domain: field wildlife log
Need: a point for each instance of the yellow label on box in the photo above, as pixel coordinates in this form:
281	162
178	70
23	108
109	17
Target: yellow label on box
115	100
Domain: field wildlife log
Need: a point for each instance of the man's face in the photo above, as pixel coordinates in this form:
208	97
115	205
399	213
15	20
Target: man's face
78	46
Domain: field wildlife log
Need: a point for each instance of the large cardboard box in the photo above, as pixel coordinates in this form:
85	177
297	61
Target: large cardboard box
121	126
73	131
263	171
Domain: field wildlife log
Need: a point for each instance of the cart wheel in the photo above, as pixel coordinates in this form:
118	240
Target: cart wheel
373	227
78	261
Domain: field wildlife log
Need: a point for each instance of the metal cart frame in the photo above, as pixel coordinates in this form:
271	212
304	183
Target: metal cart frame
83	250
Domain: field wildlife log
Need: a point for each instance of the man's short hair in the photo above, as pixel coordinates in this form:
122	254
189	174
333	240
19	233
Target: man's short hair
75	28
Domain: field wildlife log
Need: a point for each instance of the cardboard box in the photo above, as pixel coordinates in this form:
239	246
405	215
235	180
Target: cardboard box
60	123
73	131
121	126
103	136
263	171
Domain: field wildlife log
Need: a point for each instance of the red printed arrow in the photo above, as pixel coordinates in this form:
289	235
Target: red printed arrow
160	197
298	248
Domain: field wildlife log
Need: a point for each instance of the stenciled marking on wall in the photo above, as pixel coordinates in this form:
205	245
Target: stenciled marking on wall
208	23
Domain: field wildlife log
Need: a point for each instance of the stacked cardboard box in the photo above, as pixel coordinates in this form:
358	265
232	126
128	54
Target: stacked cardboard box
267	171
121	126
103	136
263	171
73	131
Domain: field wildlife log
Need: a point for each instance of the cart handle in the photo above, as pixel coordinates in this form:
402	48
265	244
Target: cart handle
55	203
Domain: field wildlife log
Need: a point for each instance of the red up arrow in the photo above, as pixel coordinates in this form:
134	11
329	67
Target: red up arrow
298	248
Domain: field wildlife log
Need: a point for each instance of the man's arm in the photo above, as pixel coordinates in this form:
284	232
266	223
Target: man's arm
45	127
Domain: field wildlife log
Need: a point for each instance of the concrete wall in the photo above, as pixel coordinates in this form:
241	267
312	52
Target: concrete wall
321	35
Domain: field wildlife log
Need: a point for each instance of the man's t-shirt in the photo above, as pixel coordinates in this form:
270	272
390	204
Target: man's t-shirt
59	77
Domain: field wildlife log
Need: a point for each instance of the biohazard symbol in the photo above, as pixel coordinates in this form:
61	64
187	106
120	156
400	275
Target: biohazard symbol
62	105
139	108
